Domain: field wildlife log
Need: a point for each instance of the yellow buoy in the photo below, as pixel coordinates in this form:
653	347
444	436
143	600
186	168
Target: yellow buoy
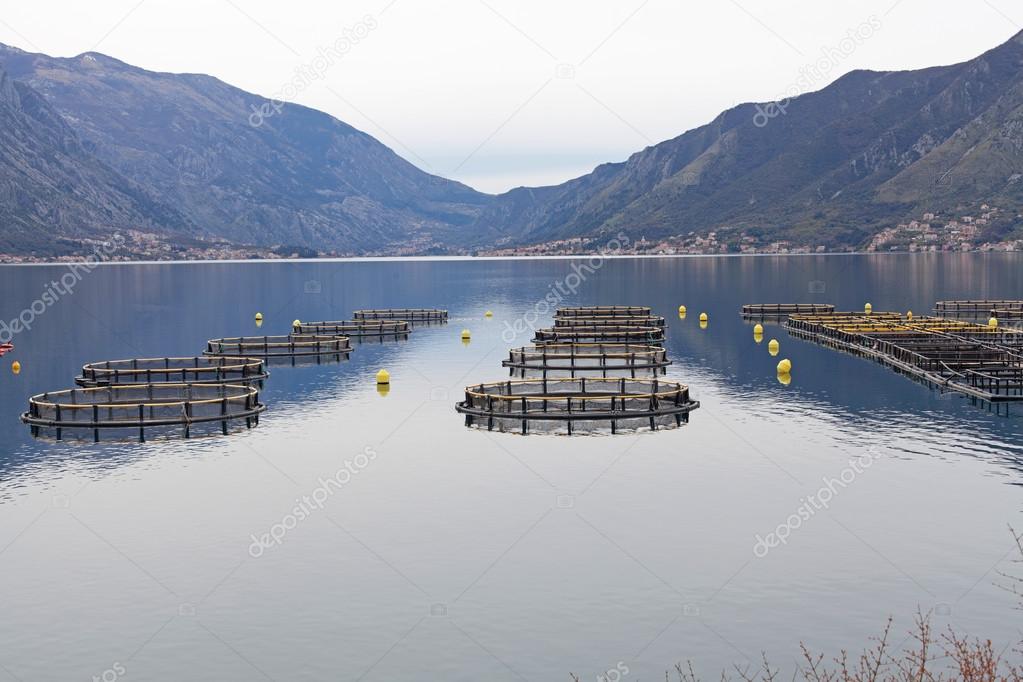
383	377
773	346
488	314
259	317
868	308
993	323
785	366
383	390
682	310
784	378
909	314
296	325
703	317
758	329
466	335
759	338
16	367
681	316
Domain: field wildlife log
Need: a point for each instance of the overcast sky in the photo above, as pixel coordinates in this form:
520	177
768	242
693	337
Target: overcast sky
501	93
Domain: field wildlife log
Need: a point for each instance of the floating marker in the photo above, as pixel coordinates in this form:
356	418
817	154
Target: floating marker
259	317
759	338
758	329
785	366
773	346
16	367
909	314
383	377
681	310
993	323
296	325
383	390
868	308
703	317
784	378
703	324
488	314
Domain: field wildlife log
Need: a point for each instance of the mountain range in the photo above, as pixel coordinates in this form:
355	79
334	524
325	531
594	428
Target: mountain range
91	145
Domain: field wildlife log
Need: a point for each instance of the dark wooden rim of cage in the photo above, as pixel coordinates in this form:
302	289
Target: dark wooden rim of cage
784	309
1007	313
609	334
632	321
225	395
409	314
604	311
979	306
293	345
354	328
633	357
185	370
662	398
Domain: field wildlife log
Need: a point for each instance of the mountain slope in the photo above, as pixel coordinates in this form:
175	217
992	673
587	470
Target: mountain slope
834	167
53	192
300	177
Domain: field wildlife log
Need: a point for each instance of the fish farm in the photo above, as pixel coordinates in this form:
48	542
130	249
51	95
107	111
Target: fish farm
195	370
575	359
597	369
600	334
644	321
355	329
407	314
604	311
80	411
764	310
980	361
293	346
552	405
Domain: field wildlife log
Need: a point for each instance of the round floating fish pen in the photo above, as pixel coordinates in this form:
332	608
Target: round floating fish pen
79	412
196	370
636	321
587	359
282	348
604	311
576	405
408	314
600	334
356	329
1007	313
974	308
763	310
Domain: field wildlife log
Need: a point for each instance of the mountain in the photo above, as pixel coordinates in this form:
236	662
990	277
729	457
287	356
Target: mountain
53	192
829	167
296	177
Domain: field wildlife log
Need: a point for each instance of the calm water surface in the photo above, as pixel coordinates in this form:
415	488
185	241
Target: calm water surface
455	554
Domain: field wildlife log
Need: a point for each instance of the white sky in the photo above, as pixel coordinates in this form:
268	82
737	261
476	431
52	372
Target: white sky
501	93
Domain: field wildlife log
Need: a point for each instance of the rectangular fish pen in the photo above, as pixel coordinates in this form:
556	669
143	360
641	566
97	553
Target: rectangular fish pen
976	360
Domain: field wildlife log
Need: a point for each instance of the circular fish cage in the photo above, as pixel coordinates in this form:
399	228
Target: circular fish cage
603	311
600	334
1007	313
196	370
193	408
291	348
407	314
575	359
636	321
576	405
356	329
